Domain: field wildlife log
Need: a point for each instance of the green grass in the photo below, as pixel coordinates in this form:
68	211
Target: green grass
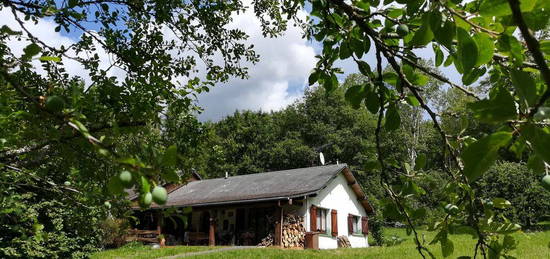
145	252
531	245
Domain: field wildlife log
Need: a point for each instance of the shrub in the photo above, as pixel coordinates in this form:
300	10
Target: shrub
114	232
519	185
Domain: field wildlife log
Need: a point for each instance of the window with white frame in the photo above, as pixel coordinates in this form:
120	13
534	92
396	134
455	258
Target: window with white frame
322	220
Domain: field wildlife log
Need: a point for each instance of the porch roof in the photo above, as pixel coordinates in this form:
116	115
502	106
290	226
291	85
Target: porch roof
266	186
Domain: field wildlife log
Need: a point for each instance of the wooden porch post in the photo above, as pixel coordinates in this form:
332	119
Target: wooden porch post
279	227
212	232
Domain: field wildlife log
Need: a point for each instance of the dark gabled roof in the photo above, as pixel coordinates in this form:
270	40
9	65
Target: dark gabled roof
253	187
274	185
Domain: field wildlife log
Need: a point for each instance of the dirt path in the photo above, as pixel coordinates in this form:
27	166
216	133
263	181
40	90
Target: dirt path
208	252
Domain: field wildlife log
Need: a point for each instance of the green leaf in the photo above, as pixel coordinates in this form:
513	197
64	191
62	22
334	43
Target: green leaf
7	30
497	109
447	247
545	46
144	185
473	75
48	58
345	50
424	34
467	50
73	3
525	86
438	55
170	175
446	34
313	77
501	203
479	156
393	120
31	50
411	99
170	156
372	102
536	164
364	67
540	140
502	8
355	95
420	162
485	47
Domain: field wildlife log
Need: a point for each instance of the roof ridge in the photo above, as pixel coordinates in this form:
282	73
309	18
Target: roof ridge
278	171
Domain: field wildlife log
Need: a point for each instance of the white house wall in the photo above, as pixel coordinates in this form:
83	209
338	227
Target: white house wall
337	195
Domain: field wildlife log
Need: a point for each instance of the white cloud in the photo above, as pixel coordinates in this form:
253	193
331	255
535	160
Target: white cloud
44	30
275	82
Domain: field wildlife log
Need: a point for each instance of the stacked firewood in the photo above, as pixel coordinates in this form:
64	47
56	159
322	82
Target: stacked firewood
343	241
293	231
268	240
293	234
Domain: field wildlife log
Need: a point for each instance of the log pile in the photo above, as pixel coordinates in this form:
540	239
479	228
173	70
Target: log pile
293	234
343	241
268	240
293	231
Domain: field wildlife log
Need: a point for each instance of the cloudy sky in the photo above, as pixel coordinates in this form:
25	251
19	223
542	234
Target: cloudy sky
279	79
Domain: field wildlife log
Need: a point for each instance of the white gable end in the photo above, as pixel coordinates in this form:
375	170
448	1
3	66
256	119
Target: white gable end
338	196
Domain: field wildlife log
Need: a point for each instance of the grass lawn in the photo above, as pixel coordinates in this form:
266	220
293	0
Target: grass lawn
145	252
531	245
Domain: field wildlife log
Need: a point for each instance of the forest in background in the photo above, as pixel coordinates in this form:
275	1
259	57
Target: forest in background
254	141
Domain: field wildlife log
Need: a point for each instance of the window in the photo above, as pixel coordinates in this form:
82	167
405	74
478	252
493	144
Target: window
354	224
322	220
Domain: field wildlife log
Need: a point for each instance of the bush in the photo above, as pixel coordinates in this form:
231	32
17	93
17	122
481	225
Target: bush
39	222
114	232
519	185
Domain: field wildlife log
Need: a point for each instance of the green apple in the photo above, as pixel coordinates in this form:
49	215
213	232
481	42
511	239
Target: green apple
402	30
125	178
160	195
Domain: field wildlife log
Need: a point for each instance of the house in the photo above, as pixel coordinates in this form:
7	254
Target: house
244	209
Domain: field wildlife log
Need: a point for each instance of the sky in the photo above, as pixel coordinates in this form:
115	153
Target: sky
277	80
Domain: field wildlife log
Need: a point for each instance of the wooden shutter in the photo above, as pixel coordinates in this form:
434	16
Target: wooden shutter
365	225
313	218
350	224
334	222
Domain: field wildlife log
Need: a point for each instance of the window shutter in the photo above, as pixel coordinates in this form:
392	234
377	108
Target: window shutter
334	222
313	218
365	225
350	224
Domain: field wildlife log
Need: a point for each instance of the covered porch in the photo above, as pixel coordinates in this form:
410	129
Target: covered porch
233	224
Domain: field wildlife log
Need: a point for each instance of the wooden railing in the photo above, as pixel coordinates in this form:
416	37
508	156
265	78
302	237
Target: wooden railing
147	236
